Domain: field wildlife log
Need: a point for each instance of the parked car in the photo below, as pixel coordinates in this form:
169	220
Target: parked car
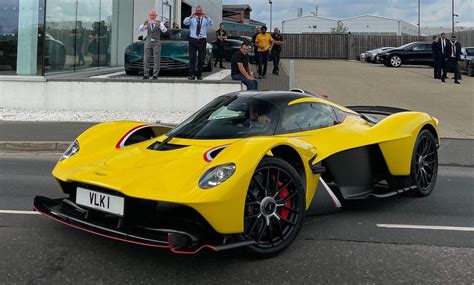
54	56
174	53
411	53
231	46
245	39
467	60
372	55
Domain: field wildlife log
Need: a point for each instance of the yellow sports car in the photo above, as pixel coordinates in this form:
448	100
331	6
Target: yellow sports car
241	172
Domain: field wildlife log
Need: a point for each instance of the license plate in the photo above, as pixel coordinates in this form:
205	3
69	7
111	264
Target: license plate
100	201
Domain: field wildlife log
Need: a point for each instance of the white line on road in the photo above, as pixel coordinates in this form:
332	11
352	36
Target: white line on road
424	227
19	212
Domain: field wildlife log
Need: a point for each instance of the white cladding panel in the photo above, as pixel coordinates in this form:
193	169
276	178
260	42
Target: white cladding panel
308	24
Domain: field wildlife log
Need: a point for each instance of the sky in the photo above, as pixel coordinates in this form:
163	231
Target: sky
434	13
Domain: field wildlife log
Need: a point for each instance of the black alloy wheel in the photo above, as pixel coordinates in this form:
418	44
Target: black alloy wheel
274	207
424	166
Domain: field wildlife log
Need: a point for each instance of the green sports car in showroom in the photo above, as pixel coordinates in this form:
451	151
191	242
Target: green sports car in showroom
174	54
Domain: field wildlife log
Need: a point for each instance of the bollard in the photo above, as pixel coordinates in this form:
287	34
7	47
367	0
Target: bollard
292	74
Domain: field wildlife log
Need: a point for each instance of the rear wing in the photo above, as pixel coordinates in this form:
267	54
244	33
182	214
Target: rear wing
375	110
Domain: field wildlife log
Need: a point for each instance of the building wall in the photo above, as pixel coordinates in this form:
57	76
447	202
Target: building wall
308	24
233	27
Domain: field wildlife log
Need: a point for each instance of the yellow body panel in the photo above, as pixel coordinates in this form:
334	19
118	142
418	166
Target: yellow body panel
173	176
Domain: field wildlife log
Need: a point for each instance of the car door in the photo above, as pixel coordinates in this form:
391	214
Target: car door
463	61
416	54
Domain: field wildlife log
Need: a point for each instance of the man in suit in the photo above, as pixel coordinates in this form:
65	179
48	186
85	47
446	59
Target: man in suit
154	28
198	23
445	46
454	56
436	57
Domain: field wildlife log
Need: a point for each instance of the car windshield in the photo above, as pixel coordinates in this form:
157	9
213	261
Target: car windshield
176	35
470	51
228	117
405	46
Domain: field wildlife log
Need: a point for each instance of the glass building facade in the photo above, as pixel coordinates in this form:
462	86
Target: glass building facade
40	37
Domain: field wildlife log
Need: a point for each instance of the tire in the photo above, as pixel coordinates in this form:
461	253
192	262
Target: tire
131	72
395	61
274	208
209	66
424	166
470	69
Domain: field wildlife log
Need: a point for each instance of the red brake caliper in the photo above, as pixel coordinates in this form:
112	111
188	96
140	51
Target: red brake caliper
284	193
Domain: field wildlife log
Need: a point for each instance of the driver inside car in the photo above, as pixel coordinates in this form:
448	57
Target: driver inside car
258	114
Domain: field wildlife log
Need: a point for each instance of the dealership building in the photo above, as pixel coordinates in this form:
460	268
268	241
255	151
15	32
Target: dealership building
61	55
42	37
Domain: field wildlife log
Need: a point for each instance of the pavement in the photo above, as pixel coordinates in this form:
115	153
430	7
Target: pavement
409	87
349	247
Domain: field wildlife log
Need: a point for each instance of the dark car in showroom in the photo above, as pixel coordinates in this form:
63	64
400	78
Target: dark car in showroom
467	60
174	53
54	55
231	46
411	53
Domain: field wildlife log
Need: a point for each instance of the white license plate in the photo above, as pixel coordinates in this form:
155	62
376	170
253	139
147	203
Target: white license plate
100	201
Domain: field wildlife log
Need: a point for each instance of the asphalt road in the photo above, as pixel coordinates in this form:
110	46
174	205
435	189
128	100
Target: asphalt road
346	247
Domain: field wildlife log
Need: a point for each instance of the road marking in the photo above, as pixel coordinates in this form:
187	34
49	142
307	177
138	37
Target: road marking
19	212
424	227
218	75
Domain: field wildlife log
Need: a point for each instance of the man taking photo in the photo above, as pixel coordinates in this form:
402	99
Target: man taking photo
276	50
154	29
198	23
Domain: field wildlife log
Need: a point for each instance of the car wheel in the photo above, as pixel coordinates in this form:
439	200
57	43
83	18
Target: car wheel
395	61
131	72
274	207
470	69
209	66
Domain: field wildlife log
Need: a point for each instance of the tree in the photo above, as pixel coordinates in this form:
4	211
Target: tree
340	28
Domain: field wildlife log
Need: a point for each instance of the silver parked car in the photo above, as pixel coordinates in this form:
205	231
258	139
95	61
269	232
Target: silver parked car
467	60
372	55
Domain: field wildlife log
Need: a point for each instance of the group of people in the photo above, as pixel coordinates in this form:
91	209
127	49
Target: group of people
446	56
264	44
198	22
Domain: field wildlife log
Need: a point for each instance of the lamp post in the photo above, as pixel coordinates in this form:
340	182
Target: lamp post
419	26
453	15
271	10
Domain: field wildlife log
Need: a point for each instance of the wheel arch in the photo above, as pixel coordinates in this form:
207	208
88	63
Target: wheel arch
290	155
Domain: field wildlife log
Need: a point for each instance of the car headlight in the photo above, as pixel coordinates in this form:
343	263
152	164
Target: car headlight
216	175
71	150
131	51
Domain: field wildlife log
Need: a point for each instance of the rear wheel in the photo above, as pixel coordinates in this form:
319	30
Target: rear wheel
274	207
424	167
470	69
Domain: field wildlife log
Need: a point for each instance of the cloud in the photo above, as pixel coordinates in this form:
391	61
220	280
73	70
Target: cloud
434	13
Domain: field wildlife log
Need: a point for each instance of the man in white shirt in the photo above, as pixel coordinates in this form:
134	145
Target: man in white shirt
198	23
154	29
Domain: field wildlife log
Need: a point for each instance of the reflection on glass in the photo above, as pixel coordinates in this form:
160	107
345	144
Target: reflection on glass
8	36
88	13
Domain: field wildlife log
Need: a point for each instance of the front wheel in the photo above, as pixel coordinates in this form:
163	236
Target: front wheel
424	164
395	61
274	207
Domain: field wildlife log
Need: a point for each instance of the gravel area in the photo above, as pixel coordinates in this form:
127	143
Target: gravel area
8	114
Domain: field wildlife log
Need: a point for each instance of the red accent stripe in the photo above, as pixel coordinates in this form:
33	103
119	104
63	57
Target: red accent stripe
169	246
173	250
207	154
100	234
128	133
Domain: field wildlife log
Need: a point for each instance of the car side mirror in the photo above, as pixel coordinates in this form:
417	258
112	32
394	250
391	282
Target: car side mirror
140	38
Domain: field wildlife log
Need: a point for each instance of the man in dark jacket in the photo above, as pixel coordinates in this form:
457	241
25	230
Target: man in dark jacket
445	46
436	57
454	56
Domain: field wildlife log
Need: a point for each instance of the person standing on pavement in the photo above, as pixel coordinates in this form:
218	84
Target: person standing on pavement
264	43
198	22
435	47
240	68
154	29
276	50
255	48
445	47
454	58
221	36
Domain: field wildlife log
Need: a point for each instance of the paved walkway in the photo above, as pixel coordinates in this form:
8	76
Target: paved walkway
413	88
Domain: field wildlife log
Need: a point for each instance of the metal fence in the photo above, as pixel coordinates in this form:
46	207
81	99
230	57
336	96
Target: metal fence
349	46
